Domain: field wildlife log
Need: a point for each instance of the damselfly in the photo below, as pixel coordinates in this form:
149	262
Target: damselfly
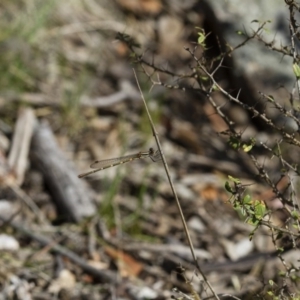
107	163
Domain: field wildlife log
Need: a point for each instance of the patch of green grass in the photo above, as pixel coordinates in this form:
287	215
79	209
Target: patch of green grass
21	44
106	209
131	224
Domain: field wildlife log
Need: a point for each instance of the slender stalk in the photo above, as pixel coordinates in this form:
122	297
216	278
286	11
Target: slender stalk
155	134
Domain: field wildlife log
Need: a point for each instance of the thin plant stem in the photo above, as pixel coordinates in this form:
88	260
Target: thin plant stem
155	134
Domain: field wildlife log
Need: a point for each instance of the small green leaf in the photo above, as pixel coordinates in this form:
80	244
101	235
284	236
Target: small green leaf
204	78
247	148
215	88
271	282
296	70
242	210
249	145
201	38
247	199
235	143
236	180
228	187
239	32
295	214
260	209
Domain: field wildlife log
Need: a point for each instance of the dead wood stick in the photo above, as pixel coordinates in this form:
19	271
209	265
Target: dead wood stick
18	155
72	198
126	91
